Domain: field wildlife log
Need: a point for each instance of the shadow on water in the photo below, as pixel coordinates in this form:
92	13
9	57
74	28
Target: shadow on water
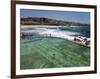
33	40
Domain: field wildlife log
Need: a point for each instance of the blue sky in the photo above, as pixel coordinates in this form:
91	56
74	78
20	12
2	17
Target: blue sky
82	17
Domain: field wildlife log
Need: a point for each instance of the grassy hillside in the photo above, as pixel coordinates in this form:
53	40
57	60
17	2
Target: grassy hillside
52	53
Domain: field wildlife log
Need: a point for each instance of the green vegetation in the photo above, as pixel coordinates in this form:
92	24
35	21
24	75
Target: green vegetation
52	53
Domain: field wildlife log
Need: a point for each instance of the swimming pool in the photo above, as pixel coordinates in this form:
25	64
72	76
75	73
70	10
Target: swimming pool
52	53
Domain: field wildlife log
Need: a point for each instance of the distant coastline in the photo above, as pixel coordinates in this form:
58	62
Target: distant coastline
48	21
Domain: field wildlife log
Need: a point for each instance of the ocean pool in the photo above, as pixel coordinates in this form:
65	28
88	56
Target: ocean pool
52	53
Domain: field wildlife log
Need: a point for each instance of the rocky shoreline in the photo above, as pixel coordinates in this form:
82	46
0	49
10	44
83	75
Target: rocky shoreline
48	21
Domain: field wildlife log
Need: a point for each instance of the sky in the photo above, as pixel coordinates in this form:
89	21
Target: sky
82	17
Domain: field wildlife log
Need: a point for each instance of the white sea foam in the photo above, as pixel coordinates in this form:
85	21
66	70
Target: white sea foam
45	30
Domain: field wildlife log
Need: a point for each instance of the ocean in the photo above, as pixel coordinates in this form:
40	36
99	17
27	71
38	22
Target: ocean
82	30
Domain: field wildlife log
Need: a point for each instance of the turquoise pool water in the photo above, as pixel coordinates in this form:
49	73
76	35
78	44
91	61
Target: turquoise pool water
52	53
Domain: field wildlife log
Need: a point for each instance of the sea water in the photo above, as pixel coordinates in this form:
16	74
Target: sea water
82	30
67	32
